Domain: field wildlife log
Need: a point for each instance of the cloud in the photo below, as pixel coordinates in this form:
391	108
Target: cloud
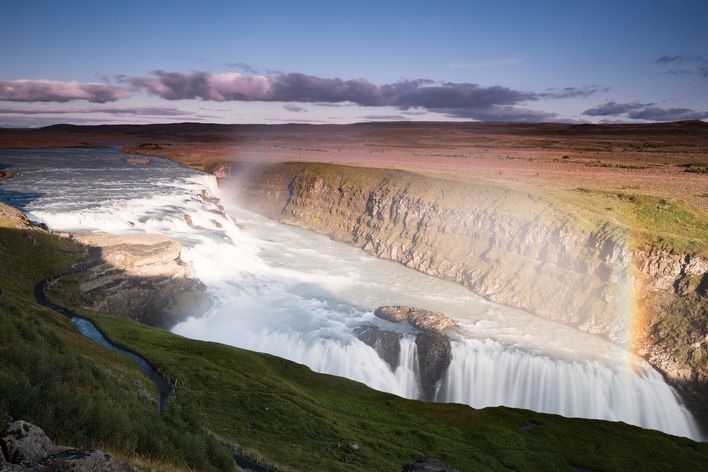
294	108
680	59
227	86
500	113
668	59
132	111
490	63
645	111
667	114
573	92
614	108
57	91
699	62
384	117
242	66
454	99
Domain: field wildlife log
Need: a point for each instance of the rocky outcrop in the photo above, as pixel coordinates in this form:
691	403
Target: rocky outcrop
141	276
425	320
23	443
387	344
432	344
428	464
25	447
13	218
434	356
512	247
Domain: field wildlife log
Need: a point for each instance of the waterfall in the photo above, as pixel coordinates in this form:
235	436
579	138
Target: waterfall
484	373
301	296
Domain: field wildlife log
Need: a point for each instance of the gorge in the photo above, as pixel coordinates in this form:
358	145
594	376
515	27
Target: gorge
302	296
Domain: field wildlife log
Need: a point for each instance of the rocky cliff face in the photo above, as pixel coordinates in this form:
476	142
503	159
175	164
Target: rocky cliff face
141	276
510	246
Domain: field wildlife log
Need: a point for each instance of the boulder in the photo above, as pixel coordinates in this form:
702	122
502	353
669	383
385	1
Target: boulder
25	443
387	344
395	314
81	460
428	464
25	447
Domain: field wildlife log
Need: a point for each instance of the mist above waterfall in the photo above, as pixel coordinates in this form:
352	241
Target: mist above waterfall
301	296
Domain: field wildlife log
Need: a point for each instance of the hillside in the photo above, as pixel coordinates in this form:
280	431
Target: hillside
273	409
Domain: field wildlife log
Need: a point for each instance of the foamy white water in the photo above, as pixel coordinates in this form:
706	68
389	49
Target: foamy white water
301	296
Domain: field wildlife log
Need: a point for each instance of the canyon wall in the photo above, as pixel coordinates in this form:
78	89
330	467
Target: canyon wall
512	246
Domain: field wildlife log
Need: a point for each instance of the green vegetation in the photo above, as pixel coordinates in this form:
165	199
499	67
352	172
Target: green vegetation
87	396
79	393
282	411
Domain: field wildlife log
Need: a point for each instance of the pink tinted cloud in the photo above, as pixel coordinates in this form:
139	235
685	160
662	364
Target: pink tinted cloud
24	90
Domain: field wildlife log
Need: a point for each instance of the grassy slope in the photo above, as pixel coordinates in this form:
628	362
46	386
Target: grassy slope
81	394
303	420
268	406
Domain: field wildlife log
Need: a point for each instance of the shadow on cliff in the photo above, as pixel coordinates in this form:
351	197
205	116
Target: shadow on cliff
97	283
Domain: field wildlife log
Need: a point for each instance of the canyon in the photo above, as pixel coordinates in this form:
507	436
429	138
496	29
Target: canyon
512	246
616	264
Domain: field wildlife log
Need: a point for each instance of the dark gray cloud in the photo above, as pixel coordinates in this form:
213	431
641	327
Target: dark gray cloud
680	59
667	114
454	99
613	108
690	64
57	91
668	59
645	111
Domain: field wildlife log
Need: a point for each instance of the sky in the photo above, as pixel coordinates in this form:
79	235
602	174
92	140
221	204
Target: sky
340	62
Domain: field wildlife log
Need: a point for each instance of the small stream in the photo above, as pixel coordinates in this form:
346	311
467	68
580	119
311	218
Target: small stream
88	329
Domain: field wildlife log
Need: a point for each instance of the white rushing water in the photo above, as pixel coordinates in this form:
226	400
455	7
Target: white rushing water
299	295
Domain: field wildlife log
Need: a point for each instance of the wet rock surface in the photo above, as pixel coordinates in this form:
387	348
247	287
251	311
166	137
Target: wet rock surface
387	344
25	447
432	344
434	356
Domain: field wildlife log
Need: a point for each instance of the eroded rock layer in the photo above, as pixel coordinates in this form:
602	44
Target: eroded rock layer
141	276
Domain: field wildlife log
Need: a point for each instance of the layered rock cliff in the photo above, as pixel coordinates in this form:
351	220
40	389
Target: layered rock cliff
140	276
513	246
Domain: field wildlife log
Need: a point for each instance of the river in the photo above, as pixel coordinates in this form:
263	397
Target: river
301	296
